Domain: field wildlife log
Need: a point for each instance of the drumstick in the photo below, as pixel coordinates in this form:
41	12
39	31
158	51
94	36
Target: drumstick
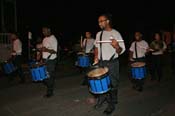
108	41
142	47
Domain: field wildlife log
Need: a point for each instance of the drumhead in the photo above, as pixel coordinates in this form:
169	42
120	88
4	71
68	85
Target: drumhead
80	53
138	64
97	72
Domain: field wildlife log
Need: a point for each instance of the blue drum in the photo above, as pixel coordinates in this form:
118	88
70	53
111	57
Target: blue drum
83	61
138	70
9	67
99	81
39	72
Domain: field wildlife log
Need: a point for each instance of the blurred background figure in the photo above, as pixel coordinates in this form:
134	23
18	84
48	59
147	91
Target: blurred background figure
17	55
49	57
137	53
158	47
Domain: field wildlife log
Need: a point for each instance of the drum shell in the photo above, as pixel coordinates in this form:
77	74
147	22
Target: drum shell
99	84
83	61
8	67
138	72
39	73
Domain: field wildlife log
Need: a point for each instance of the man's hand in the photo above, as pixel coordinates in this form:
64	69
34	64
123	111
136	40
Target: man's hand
44	49
115	45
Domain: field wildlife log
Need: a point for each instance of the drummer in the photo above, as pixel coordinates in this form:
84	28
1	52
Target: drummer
137	53
88	42
88	47
49	55
106	55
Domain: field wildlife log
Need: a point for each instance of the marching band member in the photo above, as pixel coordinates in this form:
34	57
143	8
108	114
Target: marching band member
158	47
137	53
49	55
17	55
106	55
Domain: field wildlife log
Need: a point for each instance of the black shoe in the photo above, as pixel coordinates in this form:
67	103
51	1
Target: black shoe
140	89
109	110
48	95
100	102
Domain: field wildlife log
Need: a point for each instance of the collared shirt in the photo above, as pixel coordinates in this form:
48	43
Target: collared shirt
107	49
161	50
50	43
17	47
141	47
88	44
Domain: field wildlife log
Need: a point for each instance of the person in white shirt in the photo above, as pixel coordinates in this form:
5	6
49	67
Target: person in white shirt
49	55
88	48
17	55
137	53
39	46
106	55
158	47
88	42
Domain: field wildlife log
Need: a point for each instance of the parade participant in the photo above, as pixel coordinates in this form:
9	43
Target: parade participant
49	55
17	55
158	47
137	53
106	55
88	48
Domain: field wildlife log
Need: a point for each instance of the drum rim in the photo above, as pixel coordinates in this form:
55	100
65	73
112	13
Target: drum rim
98	77
100	92
137	66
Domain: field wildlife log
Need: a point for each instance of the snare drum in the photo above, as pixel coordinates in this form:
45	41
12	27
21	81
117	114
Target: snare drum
83	61
9	67
39	72
138	70
99	81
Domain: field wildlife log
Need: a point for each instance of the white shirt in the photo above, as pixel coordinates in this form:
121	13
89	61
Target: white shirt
88	45
141	47
107	50
160	52
17	47
50	43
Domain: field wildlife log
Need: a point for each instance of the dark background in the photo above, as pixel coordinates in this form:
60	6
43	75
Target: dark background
69	19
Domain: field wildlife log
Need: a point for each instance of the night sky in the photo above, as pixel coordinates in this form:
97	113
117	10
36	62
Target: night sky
77	17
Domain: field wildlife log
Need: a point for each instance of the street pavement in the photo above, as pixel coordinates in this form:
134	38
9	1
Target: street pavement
71	98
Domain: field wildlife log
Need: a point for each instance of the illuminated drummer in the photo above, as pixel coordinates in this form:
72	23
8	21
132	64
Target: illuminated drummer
109	45
158	47
137	53
49	55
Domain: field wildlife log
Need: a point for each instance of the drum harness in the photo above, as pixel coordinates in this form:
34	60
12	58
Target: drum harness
101	59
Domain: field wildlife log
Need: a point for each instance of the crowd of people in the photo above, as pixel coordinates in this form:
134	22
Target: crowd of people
103	51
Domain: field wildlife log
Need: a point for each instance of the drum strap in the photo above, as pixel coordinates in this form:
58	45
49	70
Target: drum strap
85	44
101	45
136	50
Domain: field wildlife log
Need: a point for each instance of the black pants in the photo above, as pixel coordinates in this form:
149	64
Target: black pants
156	67
17	60
113	66
49	82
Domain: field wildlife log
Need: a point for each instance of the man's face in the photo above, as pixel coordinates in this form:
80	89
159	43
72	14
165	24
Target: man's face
138	36
45	31
103	22
88	34
13	36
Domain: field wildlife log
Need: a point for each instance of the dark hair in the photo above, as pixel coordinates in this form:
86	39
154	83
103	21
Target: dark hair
15	33
159	33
